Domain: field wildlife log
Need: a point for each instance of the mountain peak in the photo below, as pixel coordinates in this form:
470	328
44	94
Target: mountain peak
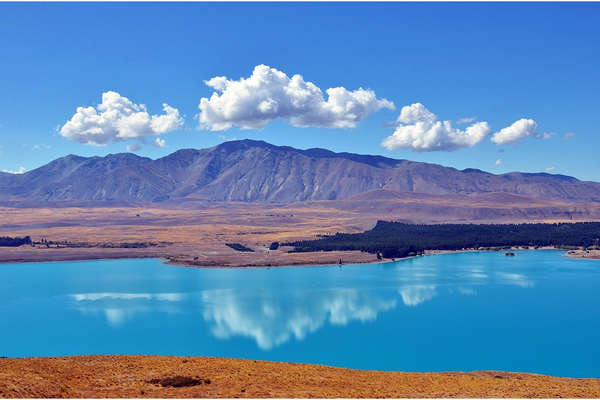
234	145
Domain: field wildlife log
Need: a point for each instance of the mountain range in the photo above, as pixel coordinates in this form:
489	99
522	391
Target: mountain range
256	171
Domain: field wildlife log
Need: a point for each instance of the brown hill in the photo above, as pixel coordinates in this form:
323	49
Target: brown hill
201	377
256	171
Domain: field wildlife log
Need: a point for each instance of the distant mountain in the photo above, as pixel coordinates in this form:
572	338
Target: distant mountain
256	171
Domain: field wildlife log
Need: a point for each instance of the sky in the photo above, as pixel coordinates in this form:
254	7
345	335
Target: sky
499	86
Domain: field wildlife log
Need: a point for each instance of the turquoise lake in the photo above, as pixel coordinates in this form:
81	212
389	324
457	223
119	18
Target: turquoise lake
535	312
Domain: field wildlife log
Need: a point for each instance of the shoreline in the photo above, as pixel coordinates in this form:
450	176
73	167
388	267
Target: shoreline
276	259
214	377
583	254
290	265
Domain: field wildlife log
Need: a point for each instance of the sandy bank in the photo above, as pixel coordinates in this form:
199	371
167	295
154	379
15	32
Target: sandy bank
587	254
218	256
149	376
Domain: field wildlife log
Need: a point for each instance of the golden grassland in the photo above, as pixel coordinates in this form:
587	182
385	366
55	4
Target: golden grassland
201	377
186	236
196	233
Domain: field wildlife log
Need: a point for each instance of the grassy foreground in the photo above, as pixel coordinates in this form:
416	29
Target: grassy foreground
164	376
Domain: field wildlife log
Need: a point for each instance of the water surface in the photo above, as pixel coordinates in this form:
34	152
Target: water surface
535	312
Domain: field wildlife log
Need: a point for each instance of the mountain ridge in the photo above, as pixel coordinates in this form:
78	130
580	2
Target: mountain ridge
257	171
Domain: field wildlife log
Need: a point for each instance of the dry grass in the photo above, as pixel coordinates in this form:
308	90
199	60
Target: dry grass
196	233
184	377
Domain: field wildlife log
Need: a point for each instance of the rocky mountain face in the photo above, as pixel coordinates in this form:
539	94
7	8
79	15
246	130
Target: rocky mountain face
256	171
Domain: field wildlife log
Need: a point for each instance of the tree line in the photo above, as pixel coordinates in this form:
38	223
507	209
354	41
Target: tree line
395	239
7	241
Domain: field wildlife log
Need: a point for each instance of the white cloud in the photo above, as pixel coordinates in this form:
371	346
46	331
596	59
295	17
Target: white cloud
134	147
158	142
21	170
118	118
518	130
420	130
569	135
466	120
269	94
545	135
498	162
550	169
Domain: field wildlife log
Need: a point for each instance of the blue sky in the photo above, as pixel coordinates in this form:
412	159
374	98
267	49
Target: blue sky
498	62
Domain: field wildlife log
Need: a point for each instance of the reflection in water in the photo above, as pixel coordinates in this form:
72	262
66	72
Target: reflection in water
514	279
272	317
476	273
417	294
466	291
114	316
118	307
126	296
271	322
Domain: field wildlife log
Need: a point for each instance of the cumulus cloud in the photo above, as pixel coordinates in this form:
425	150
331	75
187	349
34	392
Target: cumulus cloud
269	94
20	170
118	118
158	142
498	162
420	130
518	130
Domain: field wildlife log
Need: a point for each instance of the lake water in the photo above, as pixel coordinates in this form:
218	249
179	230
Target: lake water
535	312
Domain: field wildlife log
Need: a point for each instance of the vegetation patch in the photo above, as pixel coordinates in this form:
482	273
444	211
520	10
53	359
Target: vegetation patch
179	381
239	247
7	241
395	239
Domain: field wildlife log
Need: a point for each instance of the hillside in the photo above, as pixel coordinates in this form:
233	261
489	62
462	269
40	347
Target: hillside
203	377
255	171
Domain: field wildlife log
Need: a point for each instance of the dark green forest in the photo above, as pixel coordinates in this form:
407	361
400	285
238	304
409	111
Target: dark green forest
239	247
395	240
14	242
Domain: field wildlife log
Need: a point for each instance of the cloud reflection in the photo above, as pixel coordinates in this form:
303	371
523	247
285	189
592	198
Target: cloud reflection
126	296
514	279
119	307
272	317
271	322
416	294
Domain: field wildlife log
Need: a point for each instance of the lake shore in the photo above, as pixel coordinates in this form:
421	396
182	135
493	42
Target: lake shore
150	376
196	234
184	256
224	257
587	254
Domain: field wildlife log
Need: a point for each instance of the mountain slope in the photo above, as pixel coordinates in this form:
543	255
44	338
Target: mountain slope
248	170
